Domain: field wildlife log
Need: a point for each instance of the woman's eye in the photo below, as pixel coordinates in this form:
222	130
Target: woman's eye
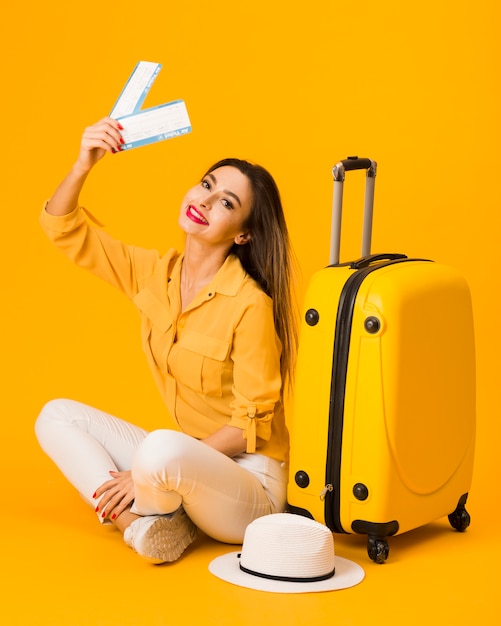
227	204
206	184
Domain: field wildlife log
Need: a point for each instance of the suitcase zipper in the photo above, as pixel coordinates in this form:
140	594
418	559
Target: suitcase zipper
331	492
326	490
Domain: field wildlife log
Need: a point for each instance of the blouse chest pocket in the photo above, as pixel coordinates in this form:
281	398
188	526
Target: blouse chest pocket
199	363
157	326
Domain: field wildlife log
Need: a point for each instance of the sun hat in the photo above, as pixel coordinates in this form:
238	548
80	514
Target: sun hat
287	553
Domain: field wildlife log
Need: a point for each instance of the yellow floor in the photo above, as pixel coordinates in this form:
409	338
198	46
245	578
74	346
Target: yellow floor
60	567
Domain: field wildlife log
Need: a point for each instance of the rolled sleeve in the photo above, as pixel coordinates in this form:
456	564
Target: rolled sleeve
56	225
257	381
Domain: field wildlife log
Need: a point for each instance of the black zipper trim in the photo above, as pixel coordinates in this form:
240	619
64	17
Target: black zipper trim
342	337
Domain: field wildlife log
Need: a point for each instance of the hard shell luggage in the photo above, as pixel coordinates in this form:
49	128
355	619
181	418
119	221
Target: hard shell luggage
383	424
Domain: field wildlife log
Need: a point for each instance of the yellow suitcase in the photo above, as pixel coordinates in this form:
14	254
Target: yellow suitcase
383	425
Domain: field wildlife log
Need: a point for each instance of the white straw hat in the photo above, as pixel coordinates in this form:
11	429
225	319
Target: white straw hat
287	553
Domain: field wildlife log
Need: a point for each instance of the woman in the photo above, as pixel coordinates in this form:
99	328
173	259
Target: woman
218	330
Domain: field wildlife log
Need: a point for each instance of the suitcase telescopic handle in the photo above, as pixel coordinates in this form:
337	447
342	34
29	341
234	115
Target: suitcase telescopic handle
339	172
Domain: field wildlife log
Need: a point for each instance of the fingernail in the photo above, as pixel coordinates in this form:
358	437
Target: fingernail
113	516
113	150
94	495
104	514
122	140
120	127
96	509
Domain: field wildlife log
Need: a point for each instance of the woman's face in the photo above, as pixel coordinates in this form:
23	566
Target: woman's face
217	209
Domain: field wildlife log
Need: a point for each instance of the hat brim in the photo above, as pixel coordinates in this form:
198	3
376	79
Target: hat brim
226	567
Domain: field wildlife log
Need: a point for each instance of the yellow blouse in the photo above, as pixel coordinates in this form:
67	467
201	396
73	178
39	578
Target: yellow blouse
217	362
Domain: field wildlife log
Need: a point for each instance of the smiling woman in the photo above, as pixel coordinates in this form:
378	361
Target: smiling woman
222	214
218	330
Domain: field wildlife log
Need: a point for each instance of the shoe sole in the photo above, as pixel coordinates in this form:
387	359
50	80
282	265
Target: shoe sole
167	538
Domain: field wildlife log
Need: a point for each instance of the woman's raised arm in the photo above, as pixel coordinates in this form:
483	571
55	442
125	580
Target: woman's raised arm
97	140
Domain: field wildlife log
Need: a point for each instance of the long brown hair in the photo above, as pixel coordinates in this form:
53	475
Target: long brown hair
268	257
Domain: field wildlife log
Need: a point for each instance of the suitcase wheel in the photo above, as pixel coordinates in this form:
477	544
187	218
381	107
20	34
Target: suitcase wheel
460	518
377	549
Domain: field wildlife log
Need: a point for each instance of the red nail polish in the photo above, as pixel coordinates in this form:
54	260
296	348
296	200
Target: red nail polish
96	509
122	140
120	127
104	514
113	516
94	494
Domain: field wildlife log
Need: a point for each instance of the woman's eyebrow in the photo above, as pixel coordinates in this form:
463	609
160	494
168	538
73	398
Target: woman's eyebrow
226	191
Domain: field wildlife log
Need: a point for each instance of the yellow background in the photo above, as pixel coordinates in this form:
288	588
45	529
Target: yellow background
295	87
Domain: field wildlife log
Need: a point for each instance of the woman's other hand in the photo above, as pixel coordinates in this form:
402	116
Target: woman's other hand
116	495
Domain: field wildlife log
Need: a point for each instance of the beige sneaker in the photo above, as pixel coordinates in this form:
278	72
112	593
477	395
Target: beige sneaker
161	538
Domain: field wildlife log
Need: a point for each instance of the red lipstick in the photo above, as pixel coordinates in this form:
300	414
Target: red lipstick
195	216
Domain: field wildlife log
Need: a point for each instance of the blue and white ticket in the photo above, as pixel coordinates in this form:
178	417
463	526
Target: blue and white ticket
145	126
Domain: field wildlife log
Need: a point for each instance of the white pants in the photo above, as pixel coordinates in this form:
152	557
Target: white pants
221	495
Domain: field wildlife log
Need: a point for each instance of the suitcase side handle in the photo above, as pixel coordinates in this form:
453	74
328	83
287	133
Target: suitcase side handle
339	171
374	258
